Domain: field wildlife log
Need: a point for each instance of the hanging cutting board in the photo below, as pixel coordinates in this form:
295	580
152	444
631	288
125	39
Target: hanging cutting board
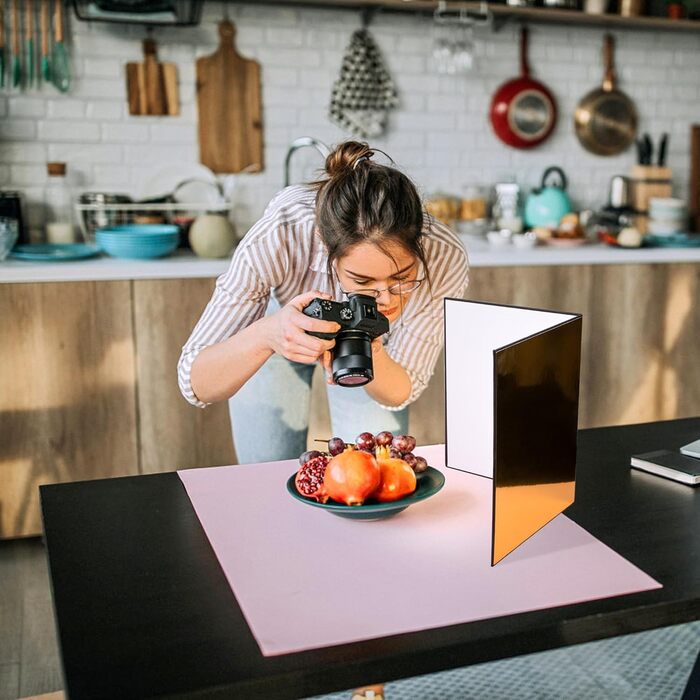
230	108
151	86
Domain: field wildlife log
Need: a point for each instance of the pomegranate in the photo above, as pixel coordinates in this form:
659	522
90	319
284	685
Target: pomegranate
351	477
310	479
397	480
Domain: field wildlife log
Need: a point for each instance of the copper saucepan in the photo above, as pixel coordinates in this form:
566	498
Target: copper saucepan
606	118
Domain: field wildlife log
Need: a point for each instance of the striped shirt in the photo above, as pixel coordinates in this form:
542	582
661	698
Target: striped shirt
283	255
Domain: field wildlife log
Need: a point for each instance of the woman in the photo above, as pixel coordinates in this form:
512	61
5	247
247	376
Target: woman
361	228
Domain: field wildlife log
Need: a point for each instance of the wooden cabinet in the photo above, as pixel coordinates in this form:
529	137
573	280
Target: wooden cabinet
641	325
89	385
172	433
68	397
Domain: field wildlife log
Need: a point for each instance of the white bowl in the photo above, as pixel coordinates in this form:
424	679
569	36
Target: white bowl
666	202
524	240
665	228
666	208
499	239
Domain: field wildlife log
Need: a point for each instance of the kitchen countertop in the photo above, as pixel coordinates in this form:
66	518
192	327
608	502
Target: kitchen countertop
184	264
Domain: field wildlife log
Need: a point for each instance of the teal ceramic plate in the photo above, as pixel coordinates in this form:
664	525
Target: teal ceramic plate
54	252
429	483
675	240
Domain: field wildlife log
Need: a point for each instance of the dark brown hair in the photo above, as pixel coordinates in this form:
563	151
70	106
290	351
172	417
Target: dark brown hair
362	201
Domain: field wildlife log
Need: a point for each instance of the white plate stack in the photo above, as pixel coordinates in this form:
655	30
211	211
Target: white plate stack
667	216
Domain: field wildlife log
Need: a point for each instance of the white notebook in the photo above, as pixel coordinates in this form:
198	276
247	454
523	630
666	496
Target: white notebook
692	449
671	465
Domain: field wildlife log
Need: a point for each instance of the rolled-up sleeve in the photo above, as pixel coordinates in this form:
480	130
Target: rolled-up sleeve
418	339
240	298
241	293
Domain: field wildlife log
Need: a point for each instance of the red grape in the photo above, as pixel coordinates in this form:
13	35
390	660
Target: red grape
421	465
308	456
365	441
410	459
404	443
336	445
383	439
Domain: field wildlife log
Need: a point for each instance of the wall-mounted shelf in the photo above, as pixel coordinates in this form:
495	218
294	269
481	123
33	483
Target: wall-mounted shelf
609	21
503	13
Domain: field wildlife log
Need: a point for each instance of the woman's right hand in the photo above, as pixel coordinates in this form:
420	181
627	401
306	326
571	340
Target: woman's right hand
286	331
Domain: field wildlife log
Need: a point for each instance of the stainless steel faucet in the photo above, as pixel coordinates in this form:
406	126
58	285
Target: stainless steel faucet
303	142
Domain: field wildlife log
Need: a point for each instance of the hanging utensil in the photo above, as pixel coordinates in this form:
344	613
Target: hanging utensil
16	59
60	71
523	111
44	29
29	41
2	44
606	118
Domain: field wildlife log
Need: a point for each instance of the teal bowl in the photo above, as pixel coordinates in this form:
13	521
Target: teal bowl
428	484
141	229
138	242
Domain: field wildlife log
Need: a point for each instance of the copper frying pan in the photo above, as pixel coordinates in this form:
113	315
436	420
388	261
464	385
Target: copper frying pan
606	118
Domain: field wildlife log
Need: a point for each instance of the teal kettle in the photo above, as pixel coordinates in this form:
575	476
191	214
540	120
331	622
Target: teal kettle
546	205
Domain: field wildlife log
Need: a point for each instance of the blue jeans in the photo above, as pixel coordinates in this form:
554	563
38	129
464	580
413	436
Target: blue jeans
270	413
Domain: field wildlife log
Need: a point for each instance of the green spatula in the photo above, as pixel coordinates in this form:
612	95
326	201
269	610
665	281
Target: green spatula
16	59
60	67
44	29
2	44
29	41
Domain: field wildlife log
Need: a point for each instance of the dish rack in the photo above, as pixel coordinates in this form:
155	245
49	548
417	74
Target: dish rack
91	217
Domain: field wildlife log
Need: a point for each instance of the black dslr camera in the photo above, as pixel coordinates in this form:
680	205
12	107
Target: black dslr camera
360	323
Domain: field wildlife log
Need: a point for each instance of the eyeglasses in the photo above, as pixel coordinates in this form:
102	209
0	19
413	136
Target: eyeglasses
396	289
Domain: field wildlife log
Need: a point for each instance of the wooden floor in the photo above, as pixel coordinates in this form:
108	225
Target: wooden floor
29	662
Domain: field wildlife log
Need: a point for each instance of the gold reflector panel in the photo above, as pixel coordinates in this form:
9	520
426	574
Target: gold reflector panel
536	416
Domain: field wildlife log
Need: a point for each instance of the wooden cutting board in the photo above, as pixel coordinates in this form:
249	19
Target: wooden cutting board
151	86
230	108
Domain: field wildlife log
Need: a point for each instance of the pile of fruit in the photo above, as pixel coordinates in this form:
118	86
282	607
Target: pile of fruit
380	468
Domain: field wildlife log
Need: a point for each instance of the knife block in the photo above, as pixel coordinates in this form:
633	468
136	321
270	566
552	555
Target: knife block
648	181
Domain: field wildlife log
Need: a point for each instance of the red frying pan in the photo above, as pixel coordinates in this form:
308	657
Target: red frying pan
523	111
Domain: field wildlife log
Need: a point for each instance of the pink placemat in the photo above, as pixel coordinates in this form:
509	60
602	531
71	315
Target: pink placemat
305	578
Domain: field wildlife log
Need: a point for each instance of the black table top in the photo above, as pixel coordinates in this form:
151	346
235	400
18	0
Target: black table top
144	610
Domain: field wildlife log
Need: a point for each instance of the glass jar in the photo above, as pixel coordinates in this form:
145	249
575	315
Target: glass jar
60	221
474	203
443	207
506	207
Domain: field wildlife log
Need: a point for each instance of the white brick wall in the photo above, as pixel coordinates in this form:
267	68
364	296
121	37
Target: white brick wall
440	134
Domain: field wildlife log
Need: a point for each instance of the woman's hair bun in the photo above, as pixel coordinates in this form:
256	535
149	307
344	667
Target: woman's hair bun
346	157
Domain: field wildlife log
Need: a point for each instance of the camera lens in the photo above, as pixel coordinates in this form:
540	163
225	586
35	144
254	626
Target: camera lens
352	359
